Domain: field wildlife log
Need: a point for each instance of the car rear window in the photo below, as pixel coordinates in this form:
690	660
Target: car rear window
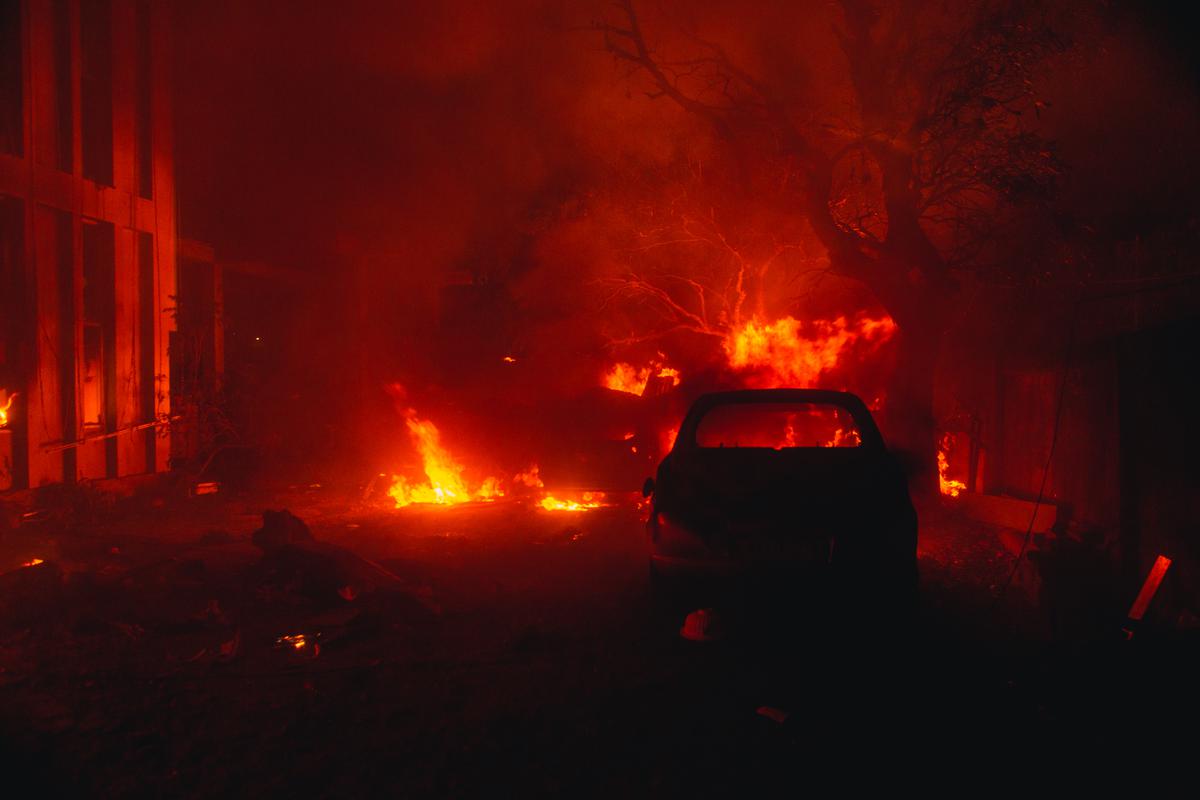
777	426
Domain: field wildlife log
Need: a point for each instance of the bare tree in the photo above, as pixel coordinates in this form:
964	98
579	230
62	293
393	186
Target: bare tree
907	182
696	271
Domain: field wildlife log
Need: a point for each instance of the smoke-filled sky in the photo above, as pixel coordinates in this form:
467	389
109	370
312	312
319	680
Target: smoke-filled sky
413	141
308	128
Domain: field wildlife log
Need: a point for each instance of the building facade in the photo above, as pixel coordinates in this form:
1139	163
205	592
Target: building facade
87	240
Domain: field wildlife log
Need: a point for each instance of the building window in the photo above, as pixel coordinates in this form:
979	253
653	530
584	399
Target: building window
12	129
97	391
92	389
143	144
13	305
64	105
95	37
146	316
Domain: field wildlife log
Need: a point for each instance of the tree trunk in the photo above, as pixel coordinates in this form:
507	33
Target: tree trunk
908	418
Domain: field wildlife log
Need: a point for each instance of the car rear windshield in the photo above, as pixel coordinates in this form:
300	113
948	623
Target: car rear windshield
777	426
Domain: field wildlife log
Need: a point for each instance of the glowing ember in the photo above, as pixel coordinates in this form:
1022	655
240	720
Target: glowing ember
509	360
299	642
5	408
446	485
947	486
788	352
589	500
33	562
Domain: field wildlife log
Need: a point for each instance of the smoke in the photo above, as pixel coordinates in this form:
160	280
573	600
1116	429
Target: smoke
394	149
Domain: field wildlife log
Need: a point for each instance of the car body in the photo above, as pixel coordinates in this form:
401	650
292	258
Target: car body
770	486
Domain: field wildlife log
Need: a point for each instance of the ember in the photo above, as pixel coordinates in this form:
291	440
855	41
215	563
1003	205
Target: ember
300	643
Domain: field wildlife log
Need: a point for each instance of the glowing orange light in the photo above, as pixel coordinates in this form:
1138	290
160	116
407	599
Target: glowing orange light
788	352
668	439
5	408
446	485
946	485
529	478
843	438
299	642
33	562
509	360
627	378
588	501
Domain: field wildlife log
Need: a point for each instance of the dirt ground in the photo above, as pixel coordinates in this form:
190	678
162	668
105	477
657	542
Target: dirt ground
501	649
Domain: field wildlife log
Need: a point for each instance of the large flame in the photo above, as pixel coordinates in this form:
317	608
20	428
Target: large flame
792	353
445	483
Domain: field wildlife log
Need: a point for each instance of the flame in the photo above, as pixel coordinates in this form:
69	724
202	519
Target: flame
842	438
446	485
299	642
589	500
788	352
529	478
623	377
947	486
668	439
33	562
4	410
627	378
509	360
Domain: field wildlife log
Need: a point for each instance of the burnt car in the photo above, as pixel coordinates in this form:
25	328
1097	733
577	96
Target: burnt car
791	489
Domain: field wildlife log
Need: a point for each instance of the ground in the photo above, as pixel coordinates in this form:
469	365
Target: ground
489	649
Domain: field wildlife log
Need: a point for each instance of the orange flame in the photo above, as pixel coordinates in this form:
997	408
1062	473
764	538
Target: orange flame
627	378
4	409
785	355
529	478
446	485
623	377
947	486
589	500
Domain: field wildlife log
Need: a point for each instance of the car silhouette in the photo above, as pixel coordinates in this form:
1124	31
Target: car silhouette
791	490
